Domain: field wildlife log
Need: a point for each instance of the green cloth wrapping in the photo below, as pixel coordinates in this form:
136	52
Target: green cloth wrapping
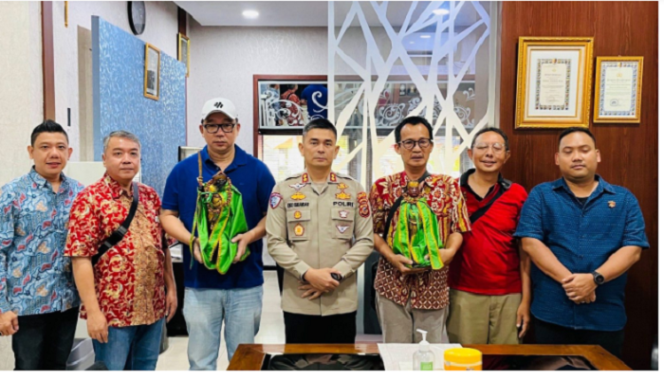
217	249
426	240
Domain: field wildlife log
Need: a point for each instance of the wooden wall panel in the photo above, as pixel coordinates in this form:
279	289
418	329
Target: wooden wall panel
628	151
47	60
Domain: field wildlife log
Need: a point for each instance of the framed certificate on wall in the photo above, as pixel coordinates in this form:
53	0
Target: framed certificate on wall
151	75
618	90
554	82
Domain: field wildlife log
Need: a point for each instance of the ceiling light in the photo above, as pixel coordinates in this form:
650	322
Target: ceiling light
441	12
250	14
425	36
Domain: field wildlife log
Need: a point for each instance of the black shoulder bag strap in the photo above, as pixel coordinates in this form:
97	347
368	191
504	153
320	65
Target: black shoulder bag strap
120	233
395	206
482	210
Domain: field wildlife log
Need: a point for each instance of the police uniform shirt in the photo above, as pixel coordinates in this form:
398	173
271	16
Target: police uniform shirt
330	228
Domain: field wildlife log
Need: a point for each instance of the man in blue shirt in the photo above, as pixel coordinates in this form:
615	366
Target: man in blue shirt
582	234
38	298
211	298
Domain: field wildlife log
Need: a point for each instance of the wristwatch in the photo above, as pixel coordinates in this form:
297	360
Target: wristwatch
337	277
599	279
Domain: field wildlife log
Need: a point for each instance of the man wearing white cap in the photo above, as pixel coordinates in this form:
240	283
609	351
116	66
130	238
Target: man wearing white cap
226	173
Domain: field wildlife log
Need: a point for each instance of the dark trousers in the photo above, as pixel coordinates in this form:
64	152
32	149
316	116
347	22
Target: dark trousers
548	333
302	329
43	342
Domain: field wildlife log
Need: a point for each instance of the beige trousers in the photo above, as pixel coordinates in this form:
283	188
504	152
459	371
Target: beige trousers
481	319
400	323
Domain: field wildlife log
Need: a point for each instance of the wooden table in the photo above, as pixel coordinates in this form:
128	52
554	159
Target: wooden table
251	356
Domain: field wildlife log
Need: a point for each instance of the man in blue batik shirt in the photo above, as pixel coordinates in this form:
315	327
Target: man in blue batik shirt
582	234
38	298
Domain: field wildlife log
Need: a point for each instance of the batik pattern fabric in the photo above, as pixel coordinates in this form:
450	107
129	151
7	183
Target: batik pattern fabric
35	276
129	278
428	290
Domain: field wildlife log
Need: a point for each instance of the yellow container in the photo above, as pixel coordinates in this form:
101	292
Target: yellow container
463	359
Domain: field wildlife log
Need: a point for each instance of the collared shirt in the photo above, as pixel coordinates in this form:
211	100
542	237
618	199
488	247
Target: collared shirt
35	278
426	290
488	261
325	225
582	237
255	182
129	277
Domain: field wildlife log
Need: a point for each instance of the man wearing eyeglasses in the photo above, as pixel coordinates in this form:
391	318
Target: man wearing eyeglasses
409	298
489	278
234	298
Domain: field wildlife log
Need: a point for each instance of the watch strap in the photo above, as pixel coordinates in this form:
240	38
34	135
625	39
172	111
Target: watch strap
596	278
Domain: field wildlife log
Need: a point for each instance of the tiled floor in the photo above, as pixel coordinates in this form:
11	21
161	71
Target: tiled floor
271	331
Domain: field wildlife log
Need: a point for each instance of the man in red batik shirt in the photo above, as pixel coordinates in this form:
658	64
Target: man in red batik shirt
408	299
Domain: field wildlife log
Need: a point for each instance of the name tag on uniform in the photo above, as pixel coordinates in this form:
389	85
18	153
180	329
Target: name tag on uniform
297	204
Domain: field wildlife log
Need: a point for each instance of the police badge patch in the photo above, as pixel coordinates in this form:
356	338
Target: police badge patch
342	192
363	204
298	196
299	230
275	199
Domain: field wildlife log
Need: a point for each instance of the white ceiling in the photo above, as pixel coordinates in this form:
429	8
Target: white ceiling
299	13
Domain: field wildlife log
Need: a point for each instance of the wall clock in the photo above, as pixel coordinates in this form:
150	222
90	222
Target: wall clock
136	12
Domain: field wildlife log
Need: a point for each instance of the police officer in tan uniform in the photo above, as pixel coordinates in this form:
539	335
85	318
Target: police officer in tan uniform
319	229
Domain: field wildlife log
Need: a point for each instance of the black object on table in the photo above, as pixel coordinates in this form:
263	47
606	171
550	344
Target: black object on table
373	362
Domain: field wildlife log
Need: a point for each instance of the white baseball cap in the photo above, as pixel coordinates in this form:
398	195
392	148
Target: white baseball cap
222	105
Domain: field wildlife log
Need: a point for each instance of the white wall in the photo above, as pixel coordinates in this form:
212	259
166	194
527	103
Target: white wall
21	88
21	100
225	59
161	30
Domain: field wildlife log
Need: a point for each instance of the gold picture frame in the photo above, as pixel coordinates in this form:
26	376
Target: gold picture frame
554	82
623	103
152	72
183	50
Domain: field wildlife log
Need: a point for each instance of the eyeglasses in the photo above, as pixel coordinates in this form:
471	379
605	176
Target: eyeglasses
410	144
213	128
497	147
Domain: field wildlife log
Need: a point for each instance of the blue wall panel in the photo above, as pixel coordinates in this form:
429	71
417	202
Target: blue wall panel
118	60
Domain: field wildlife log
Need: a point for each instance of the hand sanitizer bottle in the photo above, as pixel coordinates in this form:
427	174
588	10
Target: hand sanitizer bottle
423	357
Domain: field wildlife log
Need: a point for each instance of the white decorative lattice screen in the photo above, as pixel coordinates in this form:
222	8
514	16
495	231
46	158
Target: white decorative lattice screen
390	60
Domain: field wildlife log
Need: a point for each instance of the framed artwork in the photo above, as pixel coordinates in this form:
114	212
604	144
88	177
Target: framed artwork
183	50
152	65
289	102
618	90
554	82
